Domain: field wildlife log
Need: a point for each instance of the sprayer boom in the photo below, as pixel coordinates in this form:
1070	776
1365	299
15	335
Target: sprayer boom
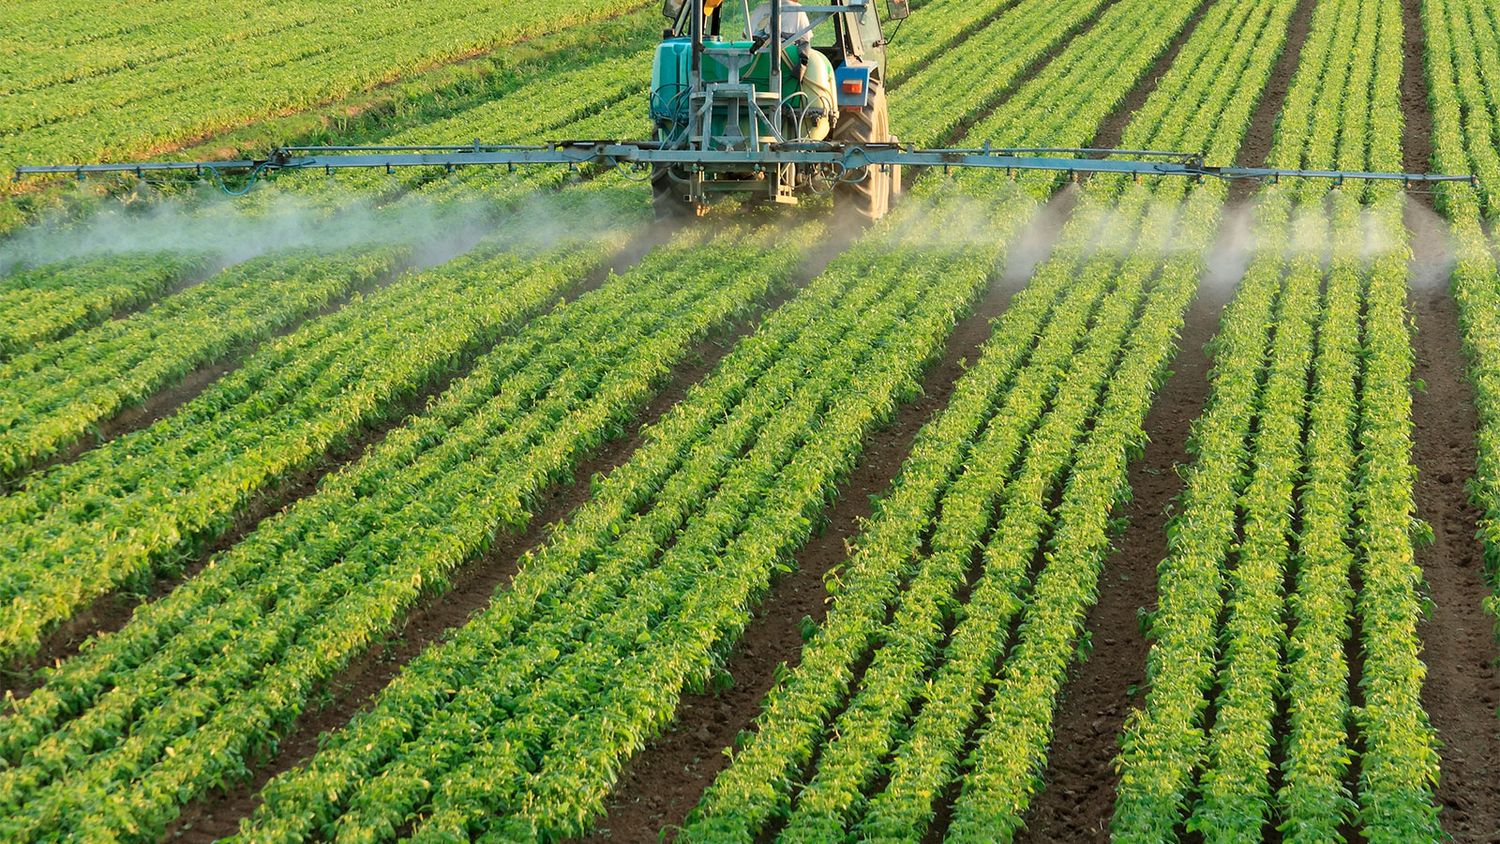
840	162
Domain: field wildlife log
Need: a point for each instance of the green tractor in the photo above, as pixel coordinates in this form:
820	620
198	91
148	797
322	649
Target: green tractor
784	75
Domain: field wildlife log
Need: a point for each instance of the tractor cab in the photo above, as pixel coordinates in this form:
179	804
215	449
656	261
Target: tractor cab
735	78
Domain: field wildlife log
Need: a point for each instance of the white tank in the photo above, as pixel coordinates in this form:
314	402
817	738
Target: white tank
817	85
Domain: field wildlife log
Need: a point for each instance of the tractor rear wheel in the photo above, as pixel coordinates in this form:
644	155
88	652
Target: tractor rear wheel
869	198
667	197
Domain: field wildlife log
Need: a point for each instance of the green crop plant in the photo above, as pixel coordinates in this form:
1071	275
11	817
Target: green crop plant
281	63
317	580
1321	420
50	302
759	782
54	393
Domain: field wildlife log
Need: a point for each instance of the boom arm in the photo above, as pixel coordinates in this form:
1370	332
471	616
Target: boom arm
842	160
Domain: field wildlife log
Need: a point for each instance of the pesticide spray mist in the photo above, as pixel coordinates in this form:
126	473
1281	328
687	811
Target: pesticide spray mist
233	231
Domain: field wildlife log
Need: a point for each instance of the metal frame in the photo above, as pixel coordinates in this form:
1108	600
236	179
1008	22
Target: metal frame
843	160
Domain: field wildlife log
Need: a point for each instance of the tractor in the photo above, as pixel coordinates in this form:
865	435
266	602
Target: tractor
731	78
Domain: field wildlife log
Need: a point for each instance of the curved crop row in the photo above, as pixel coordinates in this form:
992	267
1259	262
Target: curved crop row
51	395
183	695
52	301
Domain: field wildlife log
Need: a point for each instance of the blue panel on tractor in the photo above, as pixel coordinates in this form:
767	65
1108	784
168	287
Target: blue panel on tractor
852	84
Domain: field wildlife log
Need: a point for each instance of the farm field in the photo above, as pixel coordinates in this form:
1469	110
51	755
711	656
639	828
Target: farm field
484	504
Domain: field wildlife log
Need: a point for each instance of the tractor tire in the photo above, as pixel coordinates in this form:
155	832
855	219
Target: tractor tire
868	199
667	199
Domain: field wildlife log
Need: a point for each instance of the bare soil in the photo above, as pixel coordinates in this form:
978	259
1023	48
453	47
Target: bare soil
1462	689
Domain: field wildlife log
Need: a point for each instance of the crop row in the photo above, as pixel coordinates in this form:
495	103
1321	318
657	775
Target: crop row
1234	785
191	499
183	696
749	791
54	393
432	95
1163	744
1268	448
55	300
588	649
1399	763
1463	110
147	498
160	103
1007	762
1466	106
948	699
1313	798
52	49
874	721
52	312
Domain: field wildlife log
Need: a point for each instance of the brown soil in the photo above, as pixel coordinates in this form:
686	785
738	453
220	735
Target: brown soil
664	781
1256	146
1416	135
1113	128
218	814
1462	689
